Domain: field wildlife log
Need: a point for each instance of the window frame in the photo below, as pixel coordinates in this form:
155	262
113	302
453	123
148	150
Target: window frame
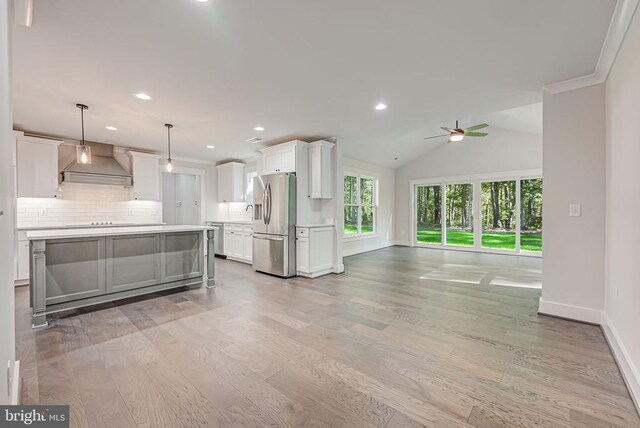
359	205
476	180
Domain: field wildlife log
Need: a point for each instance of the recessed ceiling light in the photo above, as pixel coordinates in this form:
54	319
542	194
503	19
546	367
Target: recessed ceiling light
211	147
143	96
202	1
111	128
381	106
258	128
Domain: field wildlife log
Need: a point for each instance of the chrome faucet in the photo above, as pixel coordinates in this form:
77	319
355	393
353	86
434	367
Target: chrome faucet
247	209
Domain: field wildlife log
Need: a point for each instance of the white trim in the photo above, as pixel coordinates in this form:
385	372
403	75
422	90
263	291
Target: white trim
16	384
355	251
479	250
201	173
402	243
338	268
562	310
630	372
620	22
492	176
358	237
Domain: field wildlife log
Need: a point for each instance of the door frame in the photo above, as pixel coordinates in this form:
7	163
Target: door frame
201	173
475	180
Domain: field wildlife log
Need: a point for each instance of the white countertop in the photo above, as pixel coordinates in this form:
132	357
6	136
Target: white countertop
84	226
311	226
108	231
243	222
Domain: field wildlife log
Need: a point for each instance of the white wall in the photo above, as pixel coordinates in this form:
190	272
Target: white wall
501	151
574	173
384	222
7	145
622	287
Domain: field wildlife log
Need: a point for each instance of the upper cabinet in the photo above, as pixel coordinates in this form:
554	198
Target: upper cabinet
280	158
231	182
321	170
145	169
37	167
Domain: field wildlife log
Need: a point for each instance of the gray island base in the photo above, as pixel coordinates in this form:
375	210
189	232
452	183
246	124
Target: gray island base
72	268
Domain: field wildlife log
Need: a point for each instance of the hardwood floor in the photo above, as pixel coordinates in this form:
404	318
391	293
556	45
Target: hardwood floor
405	338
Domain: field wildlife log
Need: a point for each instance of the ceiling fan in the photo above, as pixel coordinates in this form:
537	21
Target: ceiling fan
458	134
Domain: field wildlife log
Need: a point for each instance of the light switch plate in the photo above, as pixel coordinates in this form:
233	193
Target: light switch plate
575	210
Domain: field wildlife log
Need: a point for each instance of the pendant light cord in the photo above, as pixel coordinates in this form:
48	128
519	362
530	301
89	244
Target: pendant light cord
82	108
169	126
82	121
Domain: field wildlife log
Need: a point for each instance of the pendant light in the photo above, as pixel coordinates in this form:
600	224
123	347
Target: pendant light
169	164
83	152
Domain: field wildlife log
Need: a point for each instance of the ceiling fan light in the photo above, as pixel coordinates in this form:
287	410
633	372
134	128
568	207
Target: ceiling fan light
457	136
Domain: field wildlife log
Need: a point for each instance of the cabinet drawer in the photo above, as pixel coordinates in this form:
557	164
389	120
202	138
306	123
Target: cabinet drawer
302	232
233	228
247	229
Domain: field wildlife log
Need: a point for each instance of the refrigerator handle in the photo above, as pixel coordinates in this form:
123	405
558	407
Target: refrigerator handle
270	203
265	197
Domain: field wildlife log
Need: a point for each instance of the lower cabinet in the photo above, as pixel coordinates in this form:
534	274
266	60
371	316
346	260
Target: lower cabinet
238	242
79	268
314	250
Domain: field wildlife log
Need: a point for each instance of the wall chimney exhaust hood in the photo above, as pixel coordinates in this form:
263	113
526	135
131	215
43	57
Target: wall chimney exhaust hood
103	169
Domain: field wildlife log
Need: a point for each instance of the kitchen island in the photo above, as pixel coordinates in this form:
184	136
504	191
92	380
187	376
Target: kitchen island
72	268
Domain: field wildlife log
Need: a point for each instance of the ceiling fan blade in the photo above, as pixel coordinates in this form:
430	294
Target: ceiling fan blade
475	128
437	136
446	129
475	134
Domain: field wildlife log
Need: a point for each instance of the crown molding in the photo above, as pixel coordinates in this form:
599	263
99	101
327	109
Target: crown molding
620	22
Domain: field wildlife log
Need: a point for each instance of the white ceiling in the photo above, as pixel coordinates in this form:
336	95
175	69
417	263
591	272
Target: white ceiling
300	68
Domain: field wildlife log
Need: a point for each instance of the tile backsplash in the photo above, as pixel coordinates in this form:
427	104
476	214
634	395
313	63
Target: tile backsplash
86	203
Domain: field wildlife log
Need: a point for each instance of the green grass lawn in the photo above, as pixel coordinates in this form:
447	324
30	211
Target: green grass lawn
350	230
498	241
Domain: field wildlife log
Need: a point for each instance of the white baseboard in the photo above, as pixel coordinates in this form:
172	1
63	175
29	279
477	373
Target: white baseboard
364	249
630	372
562	310
16	385
338	268
402	243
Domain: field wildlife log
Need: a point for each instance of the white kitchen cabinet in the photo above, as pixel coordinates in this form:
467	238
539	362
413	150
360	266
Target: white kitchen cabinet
314	250
302	255
280	158
21	257
238	242
231	182
145	169
248	245
321	170
37	167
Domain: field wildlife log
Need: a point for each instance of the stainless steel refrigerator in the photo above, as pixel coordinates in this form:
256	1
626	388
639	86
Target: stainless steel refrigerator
274	224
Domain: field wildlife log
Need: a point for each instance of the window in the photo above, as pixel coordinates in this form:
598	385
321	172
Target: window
531	215
499	215
486	215
359	205
248	176
459	206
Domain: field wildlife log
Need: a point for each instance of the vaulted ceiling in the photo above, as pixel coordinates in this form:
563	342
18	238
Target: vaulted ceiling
299	68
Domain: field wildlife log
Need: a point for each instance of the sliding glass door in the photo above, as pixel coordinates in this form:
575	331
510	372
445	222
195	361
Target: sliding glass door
459	209
503	216
499	215
531	215
429	215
